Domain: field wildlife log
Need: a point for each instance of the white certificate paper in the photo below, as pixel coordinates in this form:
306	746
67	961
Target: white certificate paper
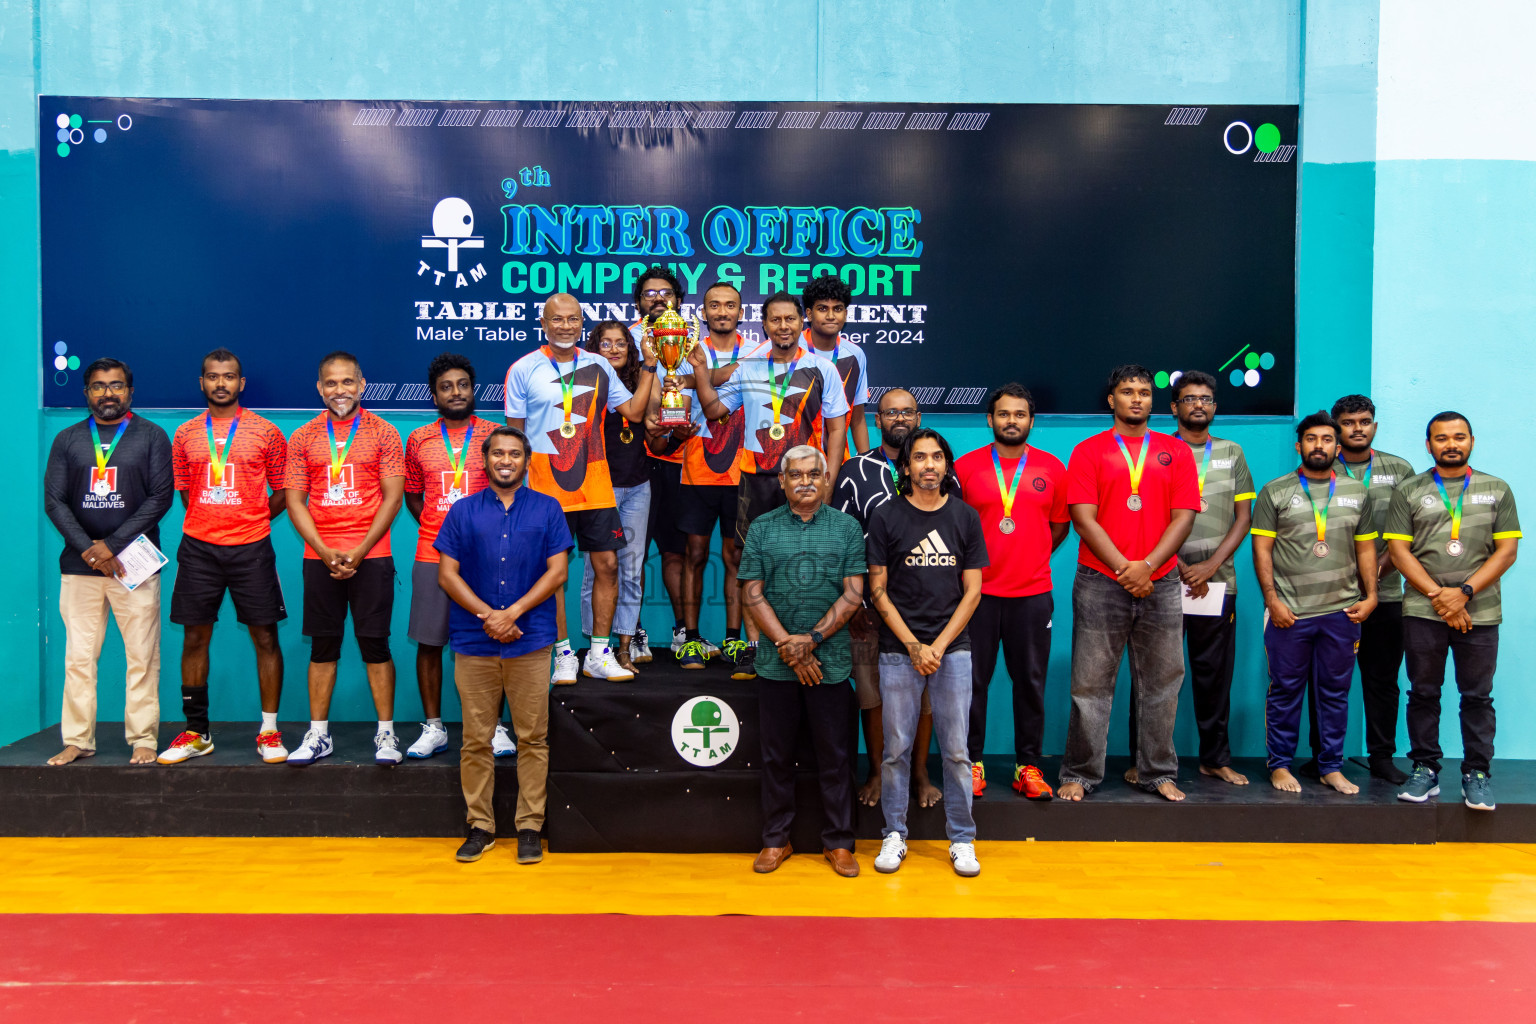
140	560
1210	604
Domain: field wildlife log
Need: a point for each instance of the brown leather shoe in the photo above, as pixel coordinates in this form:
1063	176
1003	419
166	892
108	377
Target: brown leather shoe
771	858
843	862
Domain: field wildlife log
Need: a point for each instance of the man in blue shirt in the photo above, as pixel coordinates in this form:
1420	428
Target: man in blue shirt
503	557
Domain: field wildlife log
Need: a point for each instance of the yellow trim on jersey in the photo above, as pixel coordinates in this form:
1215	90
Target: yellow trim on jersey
1366	536
1262	533
1396	536
1245	497
1507	533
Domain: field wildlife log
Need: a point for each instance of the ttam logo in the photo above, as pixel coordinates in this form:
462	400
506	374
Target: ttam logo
453	228
931	551
705	731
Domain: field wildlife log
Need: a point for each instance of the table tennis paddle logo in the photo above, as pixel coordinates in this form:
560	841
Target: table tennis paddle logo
705	731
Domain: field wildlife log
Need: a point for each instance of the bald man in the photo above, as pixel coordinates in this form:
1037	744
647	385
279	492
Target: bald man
558	395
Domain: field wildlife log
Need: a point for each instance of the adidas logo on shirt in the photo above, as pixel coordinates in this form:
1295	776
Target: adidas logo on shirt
931	552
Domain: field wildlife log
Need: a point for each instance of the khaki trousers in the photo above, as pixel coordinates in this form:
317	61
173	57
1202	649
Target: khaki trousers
482	682
84	603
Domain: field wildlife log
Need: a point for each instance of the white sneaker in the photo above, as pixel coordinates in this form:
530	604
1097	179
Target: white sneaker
434	740
316	745
603	665
502	744
963	857
269	745
679	637
640	647
893	850
386	749
565	669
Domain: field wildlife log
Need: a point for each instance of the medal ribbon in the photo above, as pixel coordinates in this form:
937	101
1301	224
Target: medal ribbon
714	357
1205	467
567	387
1140	463
1319	517
339	451
780	388
214	457
102	457
1009	492
458	466
1364	478
1455	510
895	478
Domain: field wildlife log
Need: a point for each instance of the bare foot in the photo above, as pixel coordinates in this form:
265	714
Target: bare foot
927	793
1132	776
1336	780
1072	791
1225	774
1284	781
1169	791
70	753
142	755
869	793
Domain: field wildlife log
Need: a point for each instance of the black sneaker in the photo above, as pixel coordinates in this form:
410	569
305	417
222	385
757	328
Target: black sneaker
746	663
529	849
478	842
1383	768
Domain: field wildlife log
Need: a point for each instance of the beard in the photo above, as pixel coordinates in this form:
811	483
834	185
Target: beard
1000	438
110	408
449	414
896	436
1317	460
1451	460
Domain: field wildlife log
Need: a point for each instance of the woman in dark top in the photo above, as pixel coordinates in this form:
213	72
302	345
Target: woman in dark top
629	467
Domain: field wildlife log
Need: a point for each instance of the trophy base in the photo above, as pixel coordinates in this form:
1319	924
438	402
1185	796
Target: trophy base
672	417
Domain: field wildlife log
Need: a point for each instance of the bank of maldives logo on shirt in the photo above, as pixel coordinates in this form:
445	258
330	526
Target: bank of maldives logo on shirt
705	731
932	551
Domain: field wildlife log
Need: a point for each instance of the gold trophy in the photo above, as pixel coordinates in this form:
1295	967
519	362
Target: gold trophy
673	339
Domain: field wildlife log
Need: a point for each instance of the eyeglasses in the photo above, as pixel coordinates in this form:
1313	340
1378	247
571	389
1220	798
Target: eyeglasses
564	321
658	293
612	346
1197	400
117	387
899	414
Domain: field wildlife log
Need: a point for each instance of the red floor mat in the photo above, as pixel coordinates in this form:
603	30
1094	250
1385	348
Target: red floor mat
384	968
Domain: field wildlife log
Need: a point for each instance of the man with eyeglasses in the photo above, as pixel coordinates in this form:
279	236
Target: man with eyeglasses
558	395
108	481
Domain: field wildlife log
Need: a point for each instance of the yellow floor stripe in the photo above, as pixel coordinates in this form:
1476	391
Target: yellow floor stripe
1191	881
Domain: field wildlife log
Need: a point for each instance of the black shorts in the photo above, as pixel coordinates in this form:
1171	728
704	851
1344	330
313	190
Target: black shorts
248	571
704	505
597	529
666	504
758	493
369	593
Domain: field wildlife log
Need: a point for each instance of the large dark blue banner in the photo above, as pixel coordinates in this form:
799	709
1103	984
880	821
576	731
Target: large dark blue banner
983	243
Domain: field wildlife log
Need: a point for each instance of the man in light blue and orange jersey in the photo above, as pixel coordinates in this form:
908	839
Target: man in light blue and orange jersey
826	302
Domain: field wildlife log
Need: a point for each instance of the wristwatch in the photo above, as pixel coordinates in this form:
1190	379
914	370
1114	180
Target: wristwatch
1466	588
648	367
816	637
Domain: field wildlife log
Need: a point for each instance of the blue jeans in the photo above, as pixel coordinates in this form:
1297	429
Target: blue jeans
634	511
901	693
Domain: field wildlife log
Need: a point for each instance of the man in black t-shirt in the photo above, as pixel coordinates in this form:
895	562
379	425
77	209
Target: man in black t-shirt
926	552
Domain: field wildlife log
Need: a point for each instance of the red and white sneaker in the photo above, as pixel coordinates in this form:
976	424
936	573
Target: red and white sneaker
269	745
978	778
1028	780
185	746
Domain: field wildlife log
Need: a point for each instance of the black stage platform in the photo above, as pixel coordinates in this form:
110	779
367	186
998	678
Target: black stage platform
618	783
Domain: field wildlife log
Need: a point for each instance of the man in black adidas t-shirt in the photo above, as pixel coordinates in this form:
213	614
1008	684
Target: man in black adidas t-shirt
926	552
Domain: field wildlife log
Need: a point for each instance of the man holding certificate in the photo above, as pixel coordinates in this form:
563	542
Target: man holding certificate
108	480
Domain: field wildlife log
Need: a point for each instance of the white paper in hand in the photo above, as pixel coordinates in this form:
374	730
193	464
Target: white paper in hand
140	560
1210	604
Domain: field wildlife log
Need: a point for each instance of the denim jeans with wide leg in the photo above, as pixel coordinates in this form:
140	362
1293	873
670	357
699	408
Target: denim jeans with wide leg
901	694
1106	620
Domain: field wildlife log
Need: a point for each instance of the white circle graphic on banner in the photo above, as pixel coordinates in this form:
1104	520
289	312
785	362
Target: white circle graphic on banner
705	731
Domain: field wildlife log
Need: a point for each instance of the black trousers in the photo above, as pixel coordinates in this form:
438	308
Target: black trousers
1212	653
830	711
1427	642
1380	660
1023	625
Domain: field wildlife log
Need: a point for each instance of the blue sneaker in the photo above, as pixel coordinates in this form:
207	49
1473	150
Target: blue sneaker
692	655
731	651
315	746
1422	785
1477	791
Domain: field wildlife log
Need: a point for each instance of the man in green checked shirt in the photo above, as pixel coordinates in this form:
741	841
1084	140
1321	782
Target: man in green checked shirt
1453	532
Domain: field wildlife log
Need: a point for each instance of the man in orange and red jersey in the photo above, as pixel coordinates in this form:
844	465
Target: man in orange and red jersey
558	395
826	302
224	461
442	464
345	477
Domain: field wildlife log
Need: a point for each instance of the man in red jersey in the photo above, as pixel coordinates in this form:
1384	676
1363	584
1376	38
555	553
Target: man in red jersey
224	461
345	477
442	464
1021	495
1133	494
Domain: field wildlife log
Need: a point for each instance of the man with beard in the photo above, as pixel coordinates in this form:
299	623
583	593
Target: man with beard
1314	552
1132	494
107	481
224	461
1020	493
790	396
1453	532
505	553
344	480
1381	635
866	483
443	465
560	393
802	570
826	301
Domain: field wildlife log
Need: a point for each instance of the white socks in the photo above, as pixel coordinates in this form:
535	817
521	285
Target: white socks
269	721
563	646
385	728
435	721
323	727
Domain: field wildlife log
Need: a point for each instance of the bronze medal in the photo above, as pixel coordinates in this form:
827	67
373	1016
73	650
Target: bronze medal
1320	549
